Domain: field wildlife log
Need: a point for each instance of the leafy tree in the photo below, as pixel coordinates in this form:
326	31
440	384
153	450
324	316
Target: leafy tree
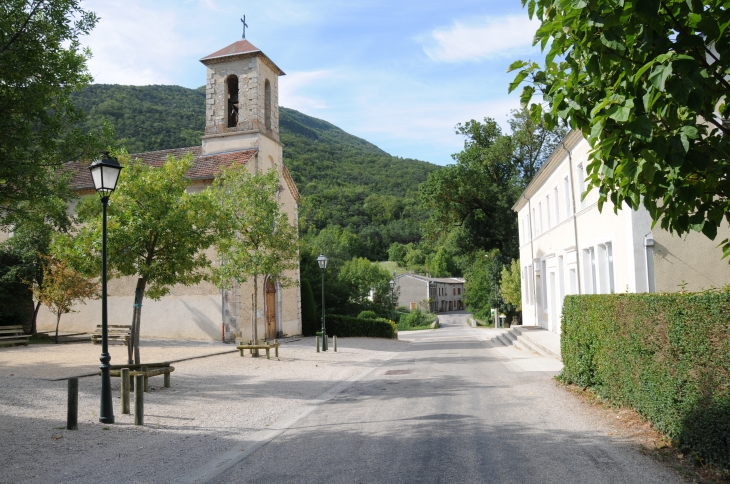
646	82
482	284
511	284
62	286
309	311
441	264
397	253
157	231
259	238
41	64
361	276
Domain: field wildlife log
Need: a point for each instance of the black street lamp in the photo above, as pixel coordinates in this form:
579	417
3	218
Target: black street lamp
105	174
322	261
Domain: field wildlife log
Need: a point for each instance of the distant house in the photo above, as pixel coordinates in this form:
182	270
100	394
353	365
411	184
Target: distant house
440	294
568	247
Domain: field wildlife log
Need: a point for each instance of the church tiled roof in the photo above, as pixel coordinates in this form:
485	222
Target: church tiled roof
205	167
241	49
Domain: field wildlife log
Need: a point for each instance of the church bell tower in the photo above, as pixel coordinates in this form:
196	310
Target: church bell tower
242	98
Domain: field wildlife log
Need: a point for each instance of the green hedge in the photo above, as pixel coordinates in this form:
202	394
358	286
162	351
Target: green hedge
665	355
310	322
343	326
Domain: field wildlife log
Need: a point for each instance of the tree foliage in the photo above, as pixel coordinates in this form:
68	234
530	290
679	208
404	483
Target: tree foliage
258	239
157	231
511	284
646	82
361	276
62	287
41	64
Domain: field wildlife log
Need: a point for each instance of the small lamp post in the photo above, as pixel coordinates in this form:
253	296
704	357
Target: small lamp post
105	173
392	288
322	261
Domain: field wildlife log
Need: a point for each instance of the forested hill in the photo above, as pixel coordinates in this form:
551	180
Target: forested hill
344	180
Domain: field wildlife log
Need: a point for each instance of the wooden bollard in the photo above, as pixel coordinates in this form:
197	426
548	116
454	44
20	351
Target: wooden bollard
146	380
125	390
167	380
317	343
334	342
138	400
72	416
276	350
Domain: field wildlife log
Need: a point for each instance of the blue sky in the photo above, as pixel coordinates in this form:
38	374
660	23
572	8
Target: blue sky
400	74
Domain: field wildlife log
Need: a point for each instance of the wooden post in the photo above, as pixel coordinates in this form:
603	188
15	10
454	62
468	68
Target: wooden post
317	343
167	380
138	400
72	417
334	341
276	350
146	380
267	352
125	390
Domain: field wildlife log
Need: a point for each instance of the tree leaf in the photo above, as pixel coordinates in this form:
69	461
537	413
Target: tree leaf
659	75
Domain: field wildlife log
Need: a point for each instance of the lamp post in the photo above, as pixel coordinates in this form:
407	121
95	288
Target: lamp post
105	173
392	287
322	261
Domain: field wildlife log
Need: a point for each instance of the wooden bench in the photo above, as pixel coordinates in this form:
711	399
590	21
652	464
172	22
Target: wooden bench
264	346
115	332
11	335
153	369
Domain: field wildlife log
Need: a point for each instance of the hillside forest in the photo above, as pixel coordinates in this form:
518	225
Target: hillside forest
359	204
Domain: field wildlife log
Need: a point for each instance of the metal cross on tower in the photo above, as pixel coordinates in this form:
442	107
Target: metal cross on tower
243	21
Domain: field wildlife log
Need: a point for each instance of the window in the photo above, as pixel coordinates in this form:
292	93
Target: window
539	213
547	211
590	271
609	263
544	287
267	105
581	185
534	226
232	105
557	205
573	281
568	205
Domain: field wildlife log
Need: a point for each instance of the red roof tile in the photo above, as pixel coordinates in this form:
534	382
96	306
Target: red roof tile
240	47
205	167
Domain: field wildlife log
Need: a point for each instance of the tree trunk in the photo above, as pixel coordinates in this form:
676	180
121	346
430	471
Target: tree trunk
33	327
255	312
58	321
133	346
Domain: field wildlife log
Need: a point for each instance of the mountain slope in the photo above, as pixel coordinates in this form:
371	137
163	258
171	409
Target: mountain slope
344	180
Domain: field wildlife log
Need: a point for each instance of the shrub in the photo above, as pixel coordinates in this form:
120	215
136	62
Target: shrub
415	319
309	312
665	355
367	314
344	326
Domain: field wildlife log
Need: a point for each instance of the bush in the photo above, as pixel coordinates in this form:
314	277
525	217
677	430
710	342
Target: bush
415	319
367	314
344	326
310	321
665	355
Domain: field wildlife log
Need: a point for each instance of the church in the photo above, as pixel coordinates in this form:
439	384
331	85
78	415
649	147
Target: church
241	127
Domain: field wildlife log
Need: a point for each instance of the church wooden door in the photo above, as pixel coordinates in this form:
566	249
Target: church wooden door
270	309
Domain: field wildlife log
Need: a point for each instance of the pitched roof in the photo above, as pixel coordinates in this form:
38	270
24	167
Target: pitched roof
240	49
205	167
444	280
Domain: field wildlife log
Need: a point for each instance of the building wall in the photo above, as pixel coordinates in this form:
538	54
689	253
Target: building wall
595	252
412	290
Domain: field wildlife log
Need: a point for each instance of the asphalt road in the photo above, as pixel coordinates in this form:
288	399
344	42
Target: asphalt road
449	409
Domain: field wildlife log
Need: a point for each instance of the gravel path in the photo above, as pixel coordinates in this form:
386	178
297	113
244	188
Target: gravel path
213	404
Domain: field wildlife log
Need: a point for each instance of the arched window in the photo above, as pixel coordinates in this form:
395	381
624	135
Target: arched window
267	107
232	105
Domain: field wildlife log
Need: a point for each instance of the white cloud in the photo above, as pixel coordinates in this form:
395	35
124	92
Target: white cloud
496	36
291	85
134	44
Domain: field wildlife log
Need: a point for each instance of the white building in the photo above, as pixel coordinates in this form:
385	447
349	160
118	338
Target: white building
568	247
441	294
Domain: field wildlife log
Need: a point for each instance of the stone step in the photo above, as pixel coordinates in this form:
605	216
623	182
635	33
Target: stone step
525	336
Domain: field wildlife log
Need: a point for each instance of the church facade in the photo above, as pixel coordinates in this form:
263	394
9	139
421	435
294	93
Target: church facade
242	127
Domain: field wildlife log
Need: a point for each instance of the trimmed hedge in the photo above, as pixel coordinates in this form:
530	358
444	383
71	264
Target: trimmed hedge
344	326
310	322
665	355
